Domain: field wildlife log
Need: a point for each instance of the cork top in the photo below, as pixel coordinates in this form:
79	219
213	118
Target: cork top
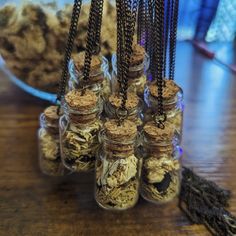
79	61
138	55
132	100
126	131
169	90
51	113
81	102
156	134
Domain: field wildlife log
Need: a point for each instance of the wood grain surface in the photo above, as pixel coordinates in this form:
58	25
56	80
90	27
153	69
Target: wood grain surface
32	204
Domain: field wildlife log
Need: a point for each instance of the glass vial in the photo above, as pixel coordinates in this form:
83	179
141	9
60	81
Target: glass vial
133	106
49	145
138	67
160	178
79	128
172	104
117	166
100	78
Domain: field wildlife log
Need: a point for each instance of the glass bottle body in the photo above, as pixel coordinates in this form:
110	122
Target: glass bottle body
134	114
137	76
79	140
49	149
99	82
173	108
118	170
160	178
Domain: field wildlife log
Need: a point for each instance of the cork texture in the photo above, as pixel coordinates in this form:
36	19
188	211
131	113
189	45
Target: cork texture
138	55
79	61
169	90
81	102
126	131
156	134
132	100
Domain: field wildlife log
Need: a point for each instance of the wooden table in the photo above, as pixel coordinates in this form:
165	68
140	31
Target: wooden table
32	204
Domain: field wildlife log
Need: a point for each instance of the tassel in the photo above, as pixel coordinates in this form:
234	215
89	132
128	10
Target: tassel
204	202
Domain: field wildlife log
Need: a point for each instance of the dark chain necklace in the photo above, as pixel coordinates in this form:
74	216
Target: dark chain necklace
173	37
126	20
69	47
167	27
142	23
93	35
158	59
99	10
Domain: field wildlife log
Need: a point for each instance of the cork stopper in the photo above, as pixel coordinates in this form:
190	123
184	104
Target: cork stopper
79	61
82	102
83	105
51	115
125	132
169	90
156	134
138	55
132	101
51	119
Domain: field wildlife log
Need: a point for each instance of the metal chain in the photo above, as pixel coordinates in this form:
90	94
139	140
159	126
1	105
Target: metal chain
126	20
173	37
92	35
167	27
69	47
119	42
97	47
150	37
142	23
158	59
129	29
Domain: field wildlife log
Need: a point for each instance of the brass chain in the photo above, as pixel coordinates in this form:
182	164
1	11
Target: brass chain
69	47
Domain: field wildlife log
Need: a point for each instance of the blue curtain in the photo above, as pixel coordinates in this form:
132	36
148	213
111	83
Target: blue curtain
207	19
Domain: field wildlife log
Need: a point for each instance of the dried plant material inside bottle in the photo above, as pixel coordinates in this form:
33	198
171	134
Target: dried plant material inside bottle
136	76
161	164
172	104
79	128
49	146
99	80
118	167
133	105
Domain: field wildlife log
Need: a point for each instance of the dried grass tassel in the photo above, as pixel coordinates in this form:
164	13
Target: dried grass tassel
204	202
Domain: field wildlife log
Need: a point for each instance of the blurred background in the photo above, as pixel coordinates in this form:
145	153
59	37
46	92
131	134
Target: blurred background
32	42
33	36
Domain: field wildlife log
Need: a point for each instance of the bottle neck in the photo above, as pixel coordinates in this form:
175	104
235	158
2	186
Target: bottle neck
52	128
121	148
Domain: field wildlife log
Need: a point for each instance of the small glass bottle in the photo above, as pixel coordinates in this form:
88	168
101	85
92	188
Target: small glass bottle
117	166
133	106
100	79
138	67
79	128
172	104
160	178
49	145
